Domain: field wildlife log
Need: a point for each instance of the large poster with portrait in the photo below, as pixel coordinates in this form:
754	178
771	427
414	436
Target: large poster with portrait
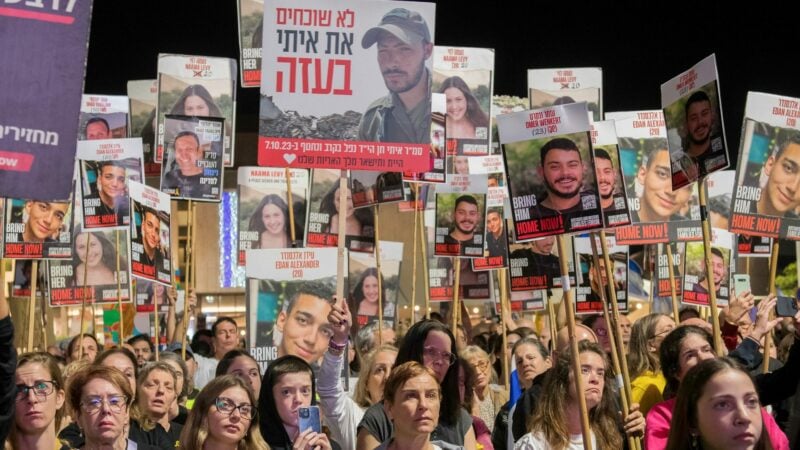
695	129
370	188
199	86
550	170
147	294
289	296
696	282
191	168
495	244
150	234
610	185
460	225
43	48
766	200
103	117
143	97
368	284
438	157
266	213
548	87
23	277
662	286
37	229
323	215
105	167
251	29
658	213
332	79
593	275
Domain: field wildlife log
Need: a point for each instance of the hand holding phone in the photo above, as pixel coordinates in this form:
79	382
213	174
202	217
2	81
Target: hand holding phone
741	283
309	418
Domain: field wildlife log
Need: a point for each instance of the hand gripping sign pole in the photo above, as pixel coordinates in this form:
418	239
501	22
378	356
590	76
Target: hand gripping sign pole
576	364
712	294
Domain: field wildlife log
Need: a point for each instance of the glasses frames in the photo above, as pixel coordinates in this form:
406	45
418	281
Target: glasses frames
227	406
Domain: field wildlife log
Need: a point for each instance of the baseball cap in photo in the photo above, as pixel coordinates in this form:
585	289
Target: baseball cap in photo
408	26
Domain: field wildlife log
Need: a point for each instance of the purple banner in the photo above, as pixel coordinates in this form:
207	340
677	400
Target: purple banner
43	50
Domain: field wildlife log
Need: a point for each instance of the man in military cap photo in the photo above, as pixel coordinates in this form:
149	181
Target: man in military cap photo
404	115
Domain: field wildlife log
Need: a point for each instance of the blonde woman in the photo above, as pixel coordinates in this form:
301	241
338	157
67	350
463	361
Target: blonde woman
489	398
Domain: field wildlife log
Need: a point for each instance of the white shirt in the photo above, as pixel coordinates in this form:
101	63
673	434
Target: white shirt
537	442
206	370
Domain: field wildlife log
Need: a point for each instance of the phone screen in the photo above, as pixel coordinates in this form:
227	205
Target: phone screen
741	283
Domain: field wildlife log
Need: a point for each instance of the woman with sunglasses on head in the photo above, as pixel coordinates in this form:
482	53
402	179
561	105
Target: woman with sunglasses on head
431	344
39	404
100	398
223	418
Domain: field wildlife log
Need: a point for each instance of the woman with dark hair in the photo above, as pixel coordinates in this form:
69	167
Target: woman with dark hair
365	296
556	421
721	410
464	113
647	381
99	265
288	385
330	206
39	404
196	101
223	416
688	345
430	343
271	220
242	364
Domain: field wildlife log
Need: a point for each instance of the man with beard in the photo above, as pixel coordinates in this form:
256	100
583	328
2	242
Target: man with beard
404	44
698	145
562	172
613	203
465	221
718	270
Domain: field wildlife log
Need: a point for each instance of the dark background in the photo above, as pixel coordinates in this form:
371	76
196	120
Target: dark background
639	46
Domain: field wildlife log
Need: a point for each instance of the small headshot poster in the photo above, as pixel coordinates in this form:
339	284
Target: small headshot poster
192	163
695	129
150	234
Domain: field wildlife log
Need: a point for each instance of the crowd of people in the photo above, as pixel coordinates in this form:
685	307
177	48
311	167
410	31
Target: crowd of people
429	388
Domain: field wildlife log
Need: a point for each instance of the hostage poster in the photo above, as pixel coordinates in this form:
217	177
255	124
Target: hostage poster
36	229
150	234
289	297
103	117
105	167
264	208
550	170
191	168
143	97
330	84
549	87
199	86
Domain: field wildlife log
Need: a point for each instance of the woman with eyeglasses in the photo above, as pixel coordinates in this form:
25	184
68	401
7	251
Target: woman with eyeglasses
431	344
489	398
223	417
39	404
100	398
647	381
